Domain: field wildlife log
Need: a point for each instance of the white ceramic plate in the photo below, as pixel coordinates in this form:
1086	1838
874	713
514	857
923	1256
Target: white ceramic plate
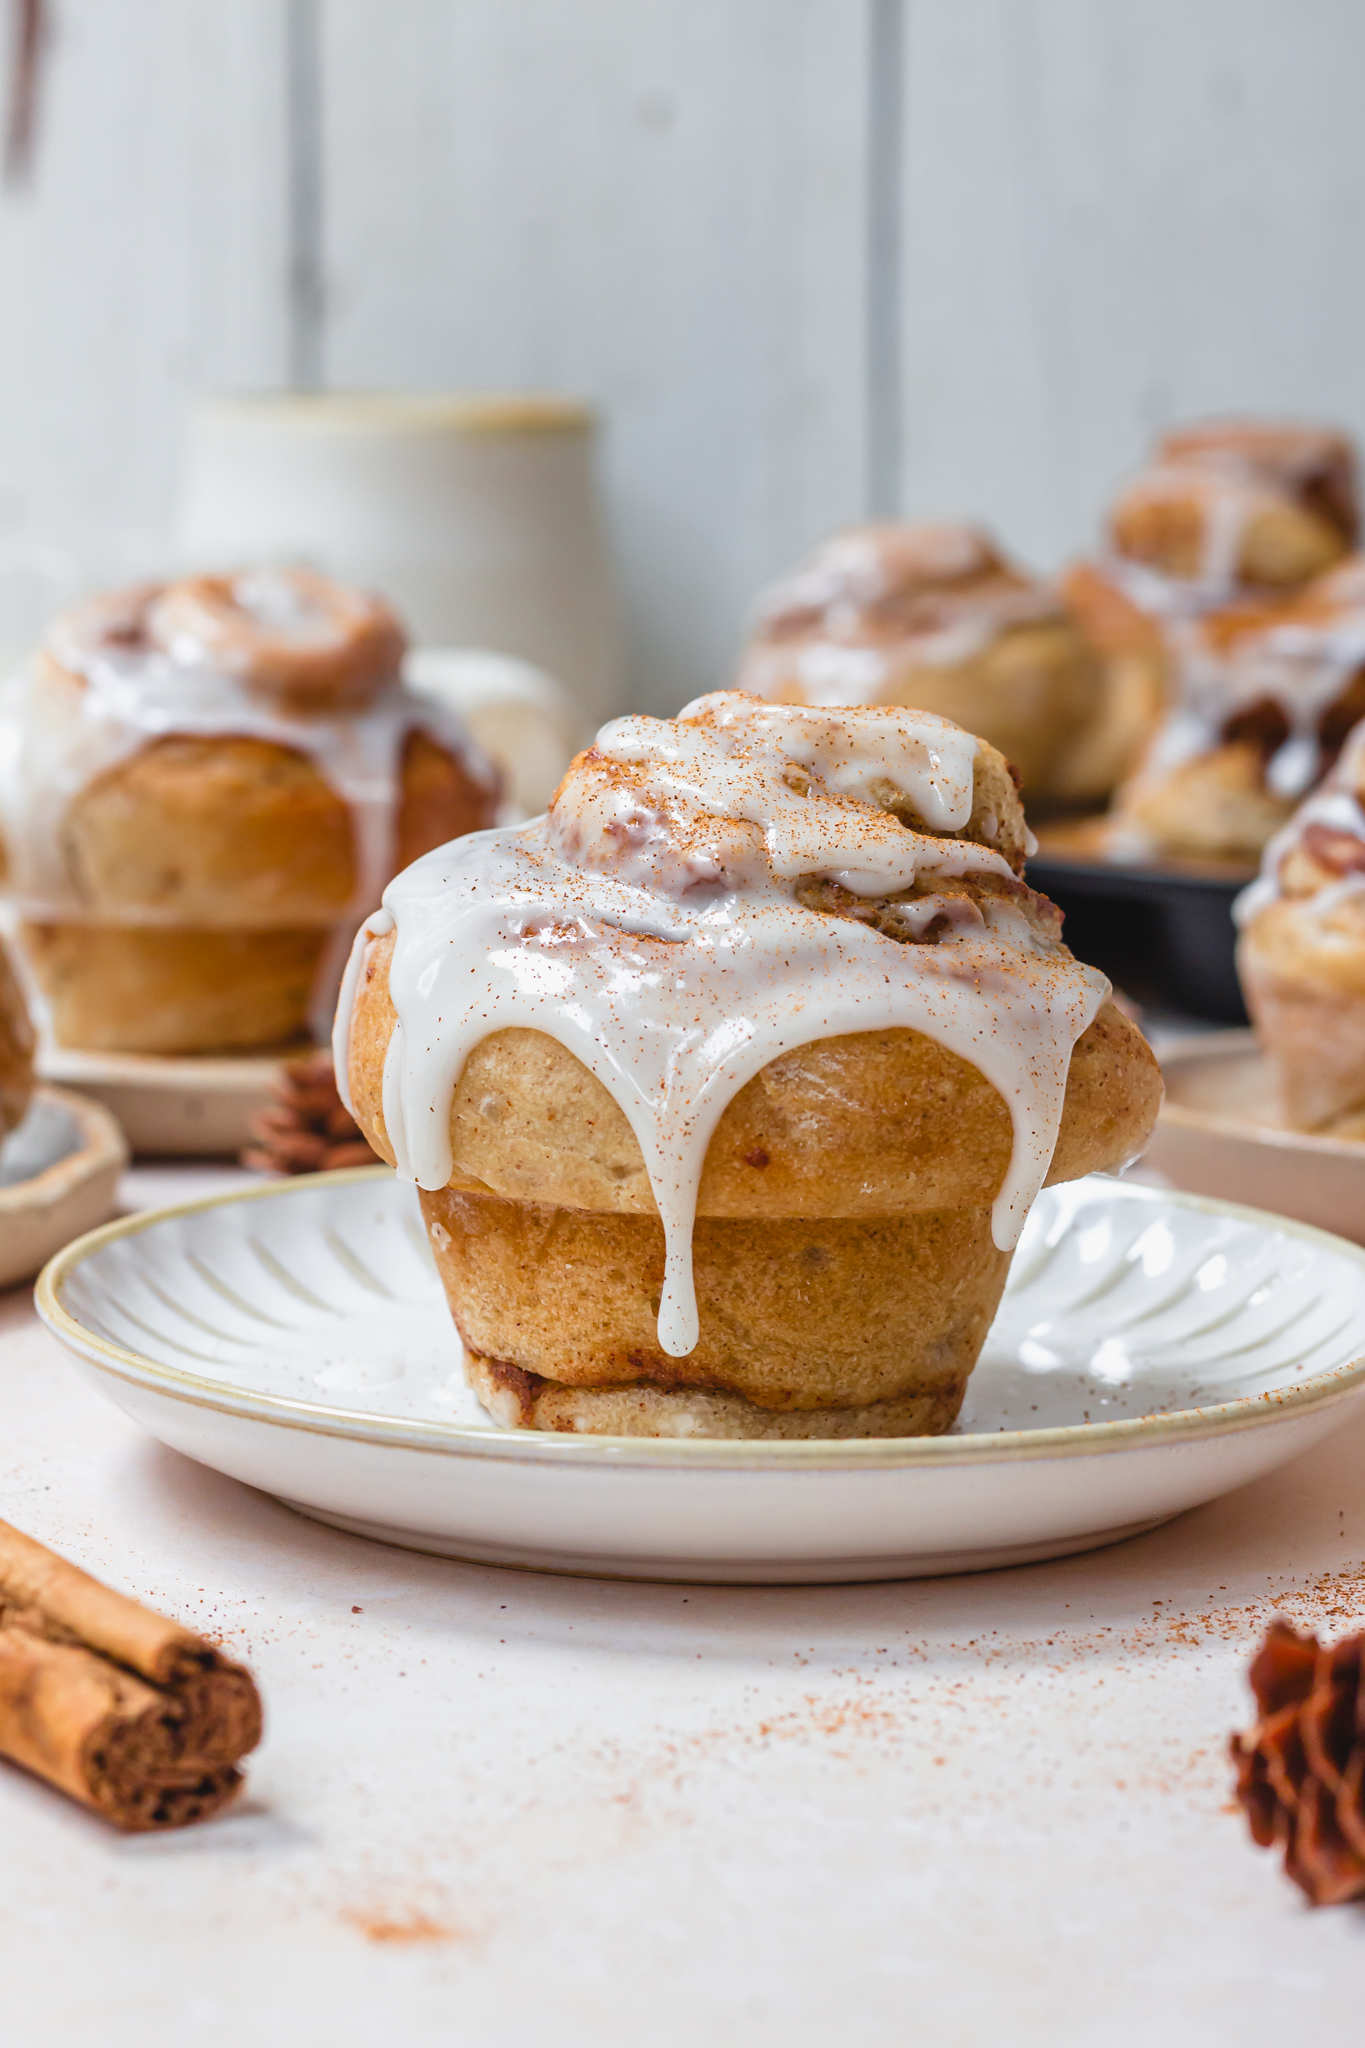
170	1107
1152	1351
1220	1133
58	1172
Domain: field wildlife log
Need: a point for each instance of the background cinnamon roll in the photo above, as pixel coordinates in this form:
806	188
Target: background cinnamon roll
934	616
203	787
1235	549
1301	955
728	1084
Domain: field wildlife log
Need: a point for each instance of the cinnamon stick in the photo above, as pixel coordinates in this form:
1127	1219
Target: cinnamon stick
126	1711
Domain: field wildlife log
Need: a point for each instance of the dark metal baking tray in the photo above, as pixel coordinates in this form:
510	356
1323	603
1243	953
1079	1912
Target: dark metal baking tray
1162	932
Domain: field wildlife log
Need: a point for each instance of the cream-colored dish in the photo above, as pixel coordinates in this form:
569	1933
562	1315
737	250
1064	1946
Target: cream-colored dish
1152	1351
59	1169
1221	1133
170	1107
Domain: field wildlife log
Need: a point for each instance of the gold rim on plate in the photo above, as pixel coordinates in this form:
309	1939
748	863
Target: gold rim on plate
1080	1439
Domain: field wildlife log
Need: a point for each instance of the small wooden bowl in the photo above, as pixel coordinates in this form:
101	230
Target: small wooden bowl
184	1108
58	1174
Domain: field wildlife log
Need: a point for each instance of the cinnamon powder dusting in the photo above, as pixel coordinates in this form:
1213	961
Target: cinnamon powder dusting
405	1930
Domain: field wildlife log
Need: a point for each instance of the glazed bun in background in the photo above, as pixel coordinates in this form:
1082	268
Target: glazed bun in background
1313	467
1215	527
1268	691
204	785
729	1083
933	616
1301	955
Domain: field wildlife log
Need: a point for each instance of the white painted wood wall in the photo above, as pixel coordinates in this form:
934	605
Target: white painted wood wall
808	256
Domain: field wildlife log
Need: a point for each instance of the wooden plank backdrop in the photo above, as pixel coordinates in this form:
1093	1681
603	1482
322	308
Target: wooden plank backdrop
811	258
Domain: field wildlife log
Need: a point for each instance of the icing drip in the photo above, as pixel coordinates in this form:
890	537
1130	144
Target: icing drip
58	733
1335	806
1230	493
875	602
649	923
1301	661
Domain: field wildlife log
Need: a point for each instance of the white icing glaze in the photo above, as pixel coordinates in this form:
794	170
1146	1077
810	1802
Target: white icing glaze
820	628
1336	804
649	923
1301	665
1230	493
57	733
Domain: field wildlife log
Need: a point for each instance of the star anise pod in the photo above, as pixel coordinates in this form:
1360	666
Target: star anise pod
1300	1769
308	1128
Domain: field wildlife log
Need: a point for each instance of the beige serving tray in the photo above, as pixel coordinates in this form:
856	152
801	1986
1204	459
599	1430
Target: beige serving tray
178	1108
1221	1133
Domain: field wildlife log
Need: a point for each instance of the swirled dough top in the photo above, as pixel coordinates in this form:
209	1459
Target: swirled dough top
932	594
1296	655
210	656
709	891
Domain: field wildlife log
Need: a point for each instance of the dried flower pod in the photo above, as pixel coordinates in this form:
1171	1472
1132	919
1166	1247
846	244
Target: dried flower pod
1301	1769
308	1129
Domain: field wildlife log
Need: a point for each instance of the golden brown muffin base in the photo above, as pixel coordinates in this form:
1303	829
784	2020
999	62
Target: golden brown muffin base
16	1049
520	1400
797	1314
842	1250
113	988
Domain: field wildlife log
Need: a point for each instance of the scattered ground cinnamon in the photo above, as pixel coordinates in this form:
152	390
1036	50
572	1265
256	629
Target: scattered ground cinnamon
131	1714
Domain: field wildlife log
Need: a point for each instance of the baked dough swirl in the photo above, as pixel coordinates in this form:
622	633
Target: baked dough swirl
933	616
728	1083
1233	548
16	1049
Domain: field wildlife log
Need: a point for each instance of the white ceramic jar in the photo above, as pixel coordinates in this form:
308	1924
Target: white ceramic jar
477	516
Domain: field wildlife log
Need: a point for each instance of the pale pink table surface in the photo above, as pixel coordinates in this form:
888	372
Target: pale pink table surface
496	1807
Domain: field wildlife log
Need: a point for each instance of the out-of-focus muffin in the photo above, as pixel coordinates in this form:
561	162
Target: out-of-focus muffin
1301	955
1235	548
203	787
933	616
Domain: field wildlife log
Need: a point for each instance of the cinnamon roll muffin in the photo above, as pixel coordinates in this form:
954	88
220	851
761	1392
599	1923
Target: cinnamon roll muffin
1217	526
1301	954
16	1049
1313	468
728	1084
933	616
203	787
1268	692
1235	549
